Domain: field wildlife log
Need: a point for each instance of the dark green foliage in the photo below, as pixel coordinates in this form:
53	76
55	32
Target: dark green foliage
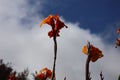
35	78
5	70
23	75
119	77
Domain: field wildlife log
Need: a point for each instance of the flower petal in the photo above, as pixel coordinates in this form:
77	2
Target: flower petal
49	20
117	42
44	74
94	52
85	50
118	31
55	23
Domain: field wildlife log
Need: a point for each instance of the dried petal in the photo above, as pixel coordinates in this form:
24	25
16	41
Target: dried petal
118	31
94	52
40	76
44	74
117	42
12	76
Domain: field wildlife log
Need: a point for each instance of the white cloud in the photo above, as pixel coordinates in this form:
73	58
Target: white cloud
27	45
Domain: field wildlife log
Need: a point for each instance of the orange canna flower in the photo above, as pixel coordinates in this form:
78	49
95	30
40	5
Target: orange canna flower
12	77
55	23
94	52
47	72
40	76
118	31
44	74
117	42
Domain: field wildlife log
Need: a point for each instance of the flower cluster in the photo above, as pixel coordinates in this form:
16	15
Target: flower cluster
118	39
94	52
44	74
19	76
118	31
117	42
12	76
7	74
55	23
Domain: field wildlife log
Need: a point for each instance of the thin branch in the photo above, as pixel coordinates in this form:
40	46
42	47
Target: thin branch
101	76
65	78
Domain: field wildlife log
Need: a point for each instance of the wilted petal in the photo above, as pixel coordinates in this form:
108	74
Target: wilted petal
118	31
40	76
47	72
51	34
94	52
44	74
12	77
117	42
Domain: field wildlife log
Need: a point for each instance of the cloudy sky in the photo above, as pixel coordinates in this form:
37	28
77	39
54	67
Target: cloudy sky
25	44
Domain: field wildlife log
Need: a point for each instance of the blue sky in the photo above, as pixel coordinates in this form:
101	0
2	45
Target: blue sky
100	16
93	14
25	44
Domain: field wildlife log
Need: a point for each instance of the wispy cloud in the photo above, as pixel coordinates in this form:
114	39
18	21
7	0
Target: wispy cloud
27	45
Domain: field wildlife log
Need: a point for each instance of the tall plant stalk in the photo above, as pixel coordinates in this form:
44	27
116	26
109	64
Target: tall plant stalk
57	25
87	77
55	56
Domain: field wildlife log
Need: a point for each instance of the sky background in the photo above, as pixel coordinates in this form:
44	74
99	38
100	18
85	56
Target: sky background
100	13
25	44
101	17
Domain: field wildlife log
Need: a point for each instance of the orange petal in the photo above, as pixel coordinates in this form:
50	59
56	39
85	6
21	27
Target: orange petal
117	42
55	23
40	76
50	34
95	54
59	25
12	77
118	31
56	17
49	73
49	20
85	50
